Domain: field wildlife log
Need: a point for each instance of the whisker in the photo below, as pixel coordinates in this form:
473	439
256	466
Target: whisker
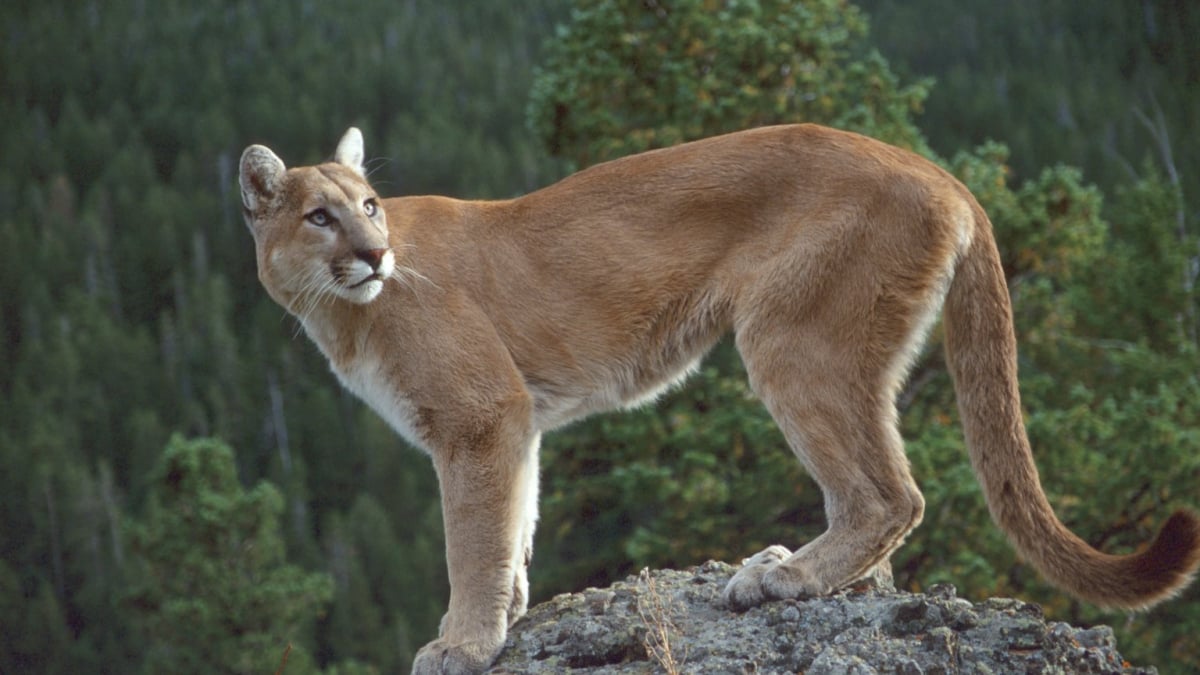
313	287
407	276
325	289
402	274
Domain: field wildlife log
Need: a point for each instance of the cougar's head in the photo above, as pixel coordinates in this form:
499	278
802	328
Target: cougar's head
320	232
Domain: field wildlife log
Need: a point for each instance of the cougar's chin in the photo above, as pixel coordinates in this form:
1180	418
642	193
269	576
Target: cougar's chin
364	291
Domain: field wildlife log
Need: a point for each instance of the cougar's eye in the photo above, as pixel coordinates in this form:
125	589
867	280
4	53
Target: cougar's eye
371	207
319	217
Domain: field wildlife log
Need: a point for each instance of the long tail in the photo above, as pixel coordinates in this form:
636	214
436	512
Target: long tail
982	354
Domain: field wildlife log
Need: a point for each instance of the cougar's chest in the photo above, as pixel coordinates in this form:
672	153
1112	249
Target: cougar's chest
368	380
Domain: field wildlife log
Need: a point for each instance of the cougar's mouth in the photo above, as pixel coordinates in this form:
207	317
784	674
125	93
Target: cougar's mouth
374	277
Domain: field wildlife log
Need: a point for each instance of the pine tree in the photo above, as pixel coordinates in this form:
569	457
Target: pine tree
212	590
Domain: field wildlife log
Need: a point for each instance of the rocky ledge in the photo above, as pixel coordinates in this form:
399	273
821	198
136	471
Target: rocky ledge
674	622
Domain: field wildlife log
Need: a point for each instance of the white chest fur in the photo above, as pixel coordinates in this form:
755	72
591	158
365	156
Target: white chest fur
367	380
365	376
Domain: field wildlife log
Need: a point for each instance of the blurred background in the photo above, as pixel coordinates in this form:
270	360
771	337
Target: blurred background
185	488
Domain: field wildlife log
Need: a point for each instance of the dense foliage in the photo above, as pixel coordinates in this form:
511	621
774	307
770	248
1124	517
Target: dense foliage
629	75
129	308
209	589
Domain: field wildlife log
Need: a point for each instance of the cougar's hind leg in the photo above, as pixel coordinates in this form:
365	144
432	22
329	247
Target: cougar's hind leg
838	416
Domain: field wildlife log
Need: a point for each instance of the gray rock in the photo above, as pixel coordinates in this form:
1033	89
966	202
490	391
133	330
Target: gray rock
673	621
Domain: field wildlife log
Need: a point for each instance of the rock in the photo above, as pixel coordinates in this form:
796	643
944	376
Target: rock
673	621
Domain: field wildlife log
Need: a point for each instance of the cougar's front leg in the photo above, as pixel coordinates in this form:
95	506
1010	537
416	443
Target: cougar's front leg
485	485
527	491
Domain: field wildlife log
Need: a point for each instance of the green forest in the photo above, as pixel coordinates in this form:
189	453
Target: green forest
185	488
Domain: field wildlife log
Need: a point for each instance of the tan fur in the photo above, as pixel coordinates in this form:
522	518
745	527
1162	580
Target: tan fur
827	254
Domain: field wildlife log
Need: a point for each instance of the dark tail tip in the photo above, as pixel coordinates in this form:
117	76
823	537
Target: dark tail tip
1171	561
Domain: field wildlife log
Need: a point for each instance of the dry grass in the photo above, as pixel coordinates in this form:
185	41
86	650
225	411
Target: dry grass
662	635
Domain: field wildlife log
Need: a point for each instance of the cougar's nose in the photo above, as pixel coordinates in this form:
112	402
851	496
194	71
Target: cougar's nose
372	257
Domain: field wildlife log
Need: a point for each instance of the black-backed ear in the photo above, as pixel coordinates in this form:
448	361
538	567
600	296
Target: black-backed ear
260	175
349	151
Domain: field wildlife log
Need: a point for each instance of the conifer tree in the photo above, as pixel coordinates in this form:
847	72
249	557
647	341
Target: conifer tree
213	592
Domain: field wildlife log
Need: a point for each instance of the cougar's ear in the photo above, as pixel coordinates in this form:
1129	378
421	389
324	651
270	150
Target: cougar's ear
350	151
260	175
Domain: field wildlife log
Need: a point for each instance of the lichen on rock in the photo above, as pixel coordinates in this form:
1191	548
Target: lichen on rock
674	621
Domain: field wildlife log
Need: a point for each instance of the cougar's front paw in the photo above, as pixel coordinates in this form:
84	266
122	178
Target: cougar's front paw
745	589
520	600
465	658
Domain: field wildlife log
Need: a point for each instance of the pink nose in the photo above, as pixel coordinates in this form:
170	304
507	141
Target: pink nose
372	256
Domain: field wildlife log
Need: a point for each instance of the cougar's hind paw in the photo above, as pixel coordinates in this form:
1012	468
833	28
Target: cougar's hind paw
745	589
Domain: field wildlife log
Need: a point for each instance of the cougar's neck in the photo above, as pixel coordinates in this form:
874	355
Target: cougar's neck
341	330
